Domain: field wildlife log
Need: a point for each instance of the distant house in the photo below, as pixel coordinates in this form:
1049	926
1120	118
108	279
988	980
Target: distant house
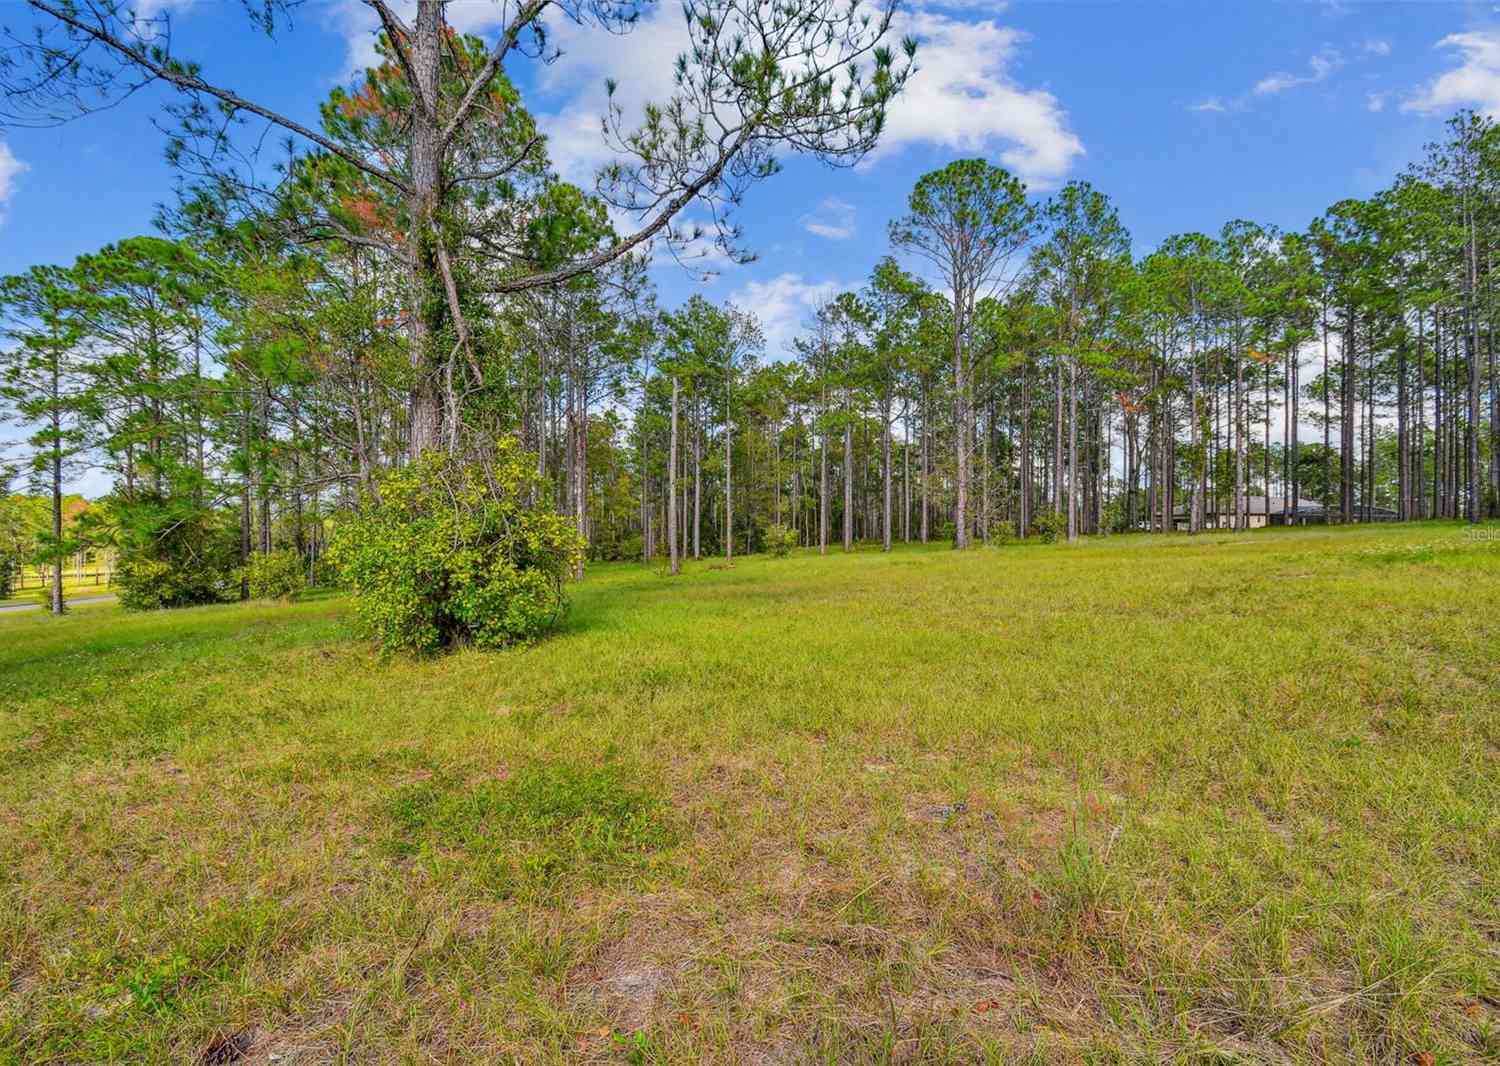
1273	511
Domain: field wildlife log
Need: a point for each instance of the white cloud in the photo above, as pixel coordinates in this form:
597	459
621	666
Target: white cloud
641	64
1475	82
150	9
1378	47
963	97
1376	101
834	220
11	168
783	305
1320	66
1213	103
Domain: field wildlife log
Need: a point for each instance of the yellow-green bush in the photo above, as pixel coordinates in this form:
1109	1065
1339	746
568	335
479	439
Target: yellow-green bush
451	553
277	575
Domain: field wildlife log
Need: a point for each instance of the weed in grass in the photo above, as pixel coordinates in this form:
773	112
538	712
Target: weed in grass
535	827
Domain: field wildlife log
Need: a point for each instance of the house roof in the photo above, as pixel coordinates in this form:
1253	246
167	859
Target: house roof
1258	505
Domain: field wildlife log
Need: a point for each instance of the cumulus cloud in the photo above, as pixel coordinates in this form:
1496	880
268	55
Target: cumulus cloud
1475	82
1376	101
965	98
962	97
1320	66
1378	47
834	220
11	168
783	305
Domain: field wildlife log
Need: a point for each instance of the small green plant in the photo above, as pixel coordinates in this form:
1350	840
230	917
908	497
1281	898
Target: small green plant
780	540
154	986
451	553
277	575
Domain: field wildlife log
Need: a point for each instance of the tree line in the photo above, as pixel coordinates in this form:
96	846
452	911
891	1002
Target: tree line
413	277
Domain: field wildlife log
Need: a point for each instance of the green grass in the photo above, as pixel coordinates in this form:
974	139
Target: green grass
1224	799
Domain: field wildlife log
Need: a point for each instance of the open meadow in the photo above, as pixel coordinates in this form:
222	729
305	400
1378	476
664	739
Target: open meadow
1230	798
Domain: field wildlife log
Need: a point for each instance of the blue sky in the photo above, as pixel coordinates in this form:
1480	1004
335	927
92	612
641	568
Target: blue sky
1186	114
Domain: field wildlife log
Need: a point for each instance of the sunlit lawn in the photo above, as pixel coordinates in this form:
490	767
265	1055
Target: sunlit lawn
1231	798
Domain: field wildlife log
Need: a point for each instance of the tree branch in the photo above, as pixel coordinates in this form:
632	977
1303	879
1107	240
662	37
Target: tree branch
620	247
191	83
524	17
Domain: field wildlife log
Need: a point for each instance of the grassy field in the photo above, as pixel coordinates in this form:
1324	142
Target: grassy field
1225	799
35	592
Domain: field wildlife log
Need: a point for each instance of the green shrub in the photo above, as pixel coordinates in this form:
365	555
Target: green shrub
147	584
1049	526
277	575
322	574
615	545
1001	535
780	540
451	553
9	568
174	556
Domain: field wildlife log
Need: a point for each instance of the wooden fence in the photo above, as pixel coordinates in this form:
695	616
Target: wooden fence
30	578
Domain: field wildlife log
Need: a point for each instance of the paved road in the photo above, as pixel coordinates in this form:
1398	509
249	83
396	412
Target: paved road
71	600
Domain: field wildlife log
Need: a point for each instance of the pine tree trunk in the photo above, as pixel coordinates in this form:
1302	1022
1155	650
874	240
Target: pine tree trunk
425	179
1057	438
885	472
926	466
848	481
697	483
672	546
728	483
1195	518
55	597
1072	450
961	420
823	518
